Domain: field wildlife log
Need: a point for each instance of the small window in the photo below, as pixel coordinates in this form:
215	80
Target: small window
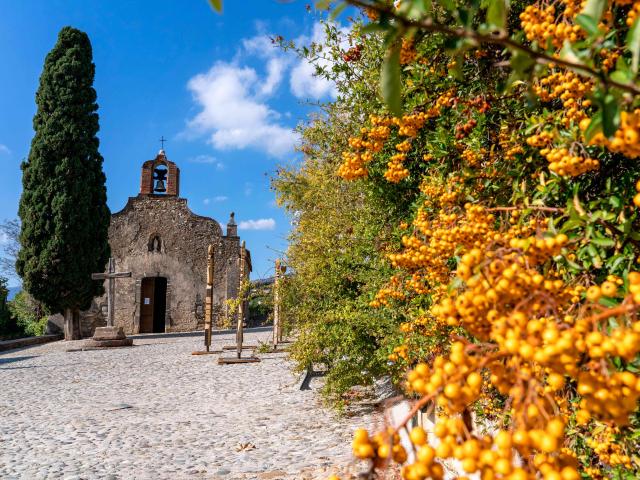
155	244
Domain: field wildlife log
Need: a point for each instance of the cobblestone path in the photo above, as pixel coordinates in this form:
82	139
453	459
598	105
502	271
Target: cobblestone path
154	411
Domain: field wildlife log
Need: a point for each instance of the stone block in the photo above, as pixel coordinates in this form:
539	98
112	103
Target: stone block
91	343
108	333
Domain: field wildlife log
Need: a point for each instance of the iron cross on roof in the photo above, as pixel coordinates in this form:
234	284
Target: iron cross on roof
162	140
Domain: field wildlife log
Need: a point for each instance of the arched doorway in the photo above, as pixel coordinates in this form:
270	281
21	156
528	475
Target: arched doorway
153	306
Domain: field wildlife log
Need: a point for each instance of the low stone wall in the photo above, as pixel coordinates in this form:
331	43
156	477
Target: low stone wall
27	341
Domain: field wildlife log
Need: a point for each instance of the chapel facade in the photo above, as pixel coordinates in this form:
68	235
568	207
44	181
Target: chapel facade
164	245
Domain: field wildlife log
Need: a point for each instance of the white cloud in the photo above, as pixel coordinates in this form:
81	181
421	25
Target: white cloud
233	97
234	113
261	224
275	71
218	199
4	149
303	80
209	160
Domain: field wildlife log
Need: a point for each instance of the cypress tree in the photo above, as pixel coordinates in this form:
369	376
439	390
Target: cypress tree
65	218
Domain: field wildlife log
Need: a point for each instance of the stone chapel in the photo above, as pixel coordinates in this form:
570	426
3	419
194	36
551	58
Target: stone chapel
164	244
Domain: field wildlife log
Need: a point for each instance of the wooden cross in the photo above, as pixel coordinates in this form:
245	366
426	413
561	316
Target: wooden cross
208	311
111	275
162	140
240	329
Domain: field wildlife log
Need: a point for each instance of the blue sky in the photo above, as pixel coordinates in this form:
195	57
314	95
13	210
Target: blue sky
213	85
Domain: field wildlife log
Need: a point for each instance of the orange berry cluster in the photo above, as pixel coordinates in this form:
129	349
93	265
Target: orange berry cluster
410	125
379	447
408	51
608	451
625	139
539	25
439	194
572	8
472	158
563	163
608	59
456	377
353	54
633	13
391	291
401	351
371	14
509	146
464	129
370	141
609	288
606	396
440	239
446	100
352	166
568	87
541	139
396	171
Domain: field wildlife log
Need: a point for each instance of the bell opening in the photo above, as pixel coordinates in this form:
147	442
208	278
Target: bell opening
160	179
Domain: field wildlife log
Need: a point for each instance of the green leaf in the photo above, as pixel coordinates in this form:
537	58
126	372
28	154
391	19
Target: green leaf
374	27
448	5
595	126
620	76
216	5
455	70
615	201
567	53
521	64
497	13
427	6
603	242
338	10
614	262
415	9
633	44
610	115
323	4
588	24
390	81
594	9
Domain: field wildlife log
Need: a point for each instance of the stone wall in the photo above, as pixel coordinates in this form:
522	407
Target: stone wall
182	259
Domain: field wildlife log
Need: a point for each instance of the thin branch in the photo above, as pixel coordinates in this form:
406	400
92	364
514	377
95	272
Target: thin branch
524	207
501	38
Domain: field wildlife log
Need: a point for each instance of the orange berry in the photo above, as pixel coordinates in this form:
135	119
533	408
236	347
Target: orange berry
418	436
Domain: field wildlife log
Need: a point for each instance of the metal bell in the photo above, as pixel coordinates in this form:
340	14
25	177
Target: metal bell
160	186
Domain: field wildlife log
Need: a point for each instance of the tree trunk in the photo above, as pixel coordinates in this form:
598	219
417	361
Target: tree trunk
71	324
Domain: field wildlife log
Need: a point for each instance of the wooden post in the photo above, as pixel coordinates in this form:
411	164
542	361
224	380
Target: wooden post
276	305
277	318
71	324
240	329
208	308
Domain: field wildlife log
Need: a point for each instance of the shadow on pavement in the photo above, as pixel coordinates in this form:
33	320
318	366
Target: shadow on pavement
15	359
143	336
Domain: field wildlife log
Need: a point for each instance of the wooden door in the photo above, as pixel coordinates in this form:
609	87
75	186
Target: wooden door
146	305
159	304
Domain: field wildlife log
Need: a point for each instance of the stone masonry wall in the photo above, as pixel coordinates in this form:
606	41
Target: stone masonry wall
182	260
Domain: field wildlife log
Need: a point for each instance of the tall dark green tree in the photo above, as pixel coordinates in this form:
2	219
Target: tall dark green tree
63	208
7	324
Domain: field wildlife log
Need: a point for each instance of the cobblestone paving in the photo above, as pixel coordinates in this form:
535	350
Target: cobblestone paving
154	411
